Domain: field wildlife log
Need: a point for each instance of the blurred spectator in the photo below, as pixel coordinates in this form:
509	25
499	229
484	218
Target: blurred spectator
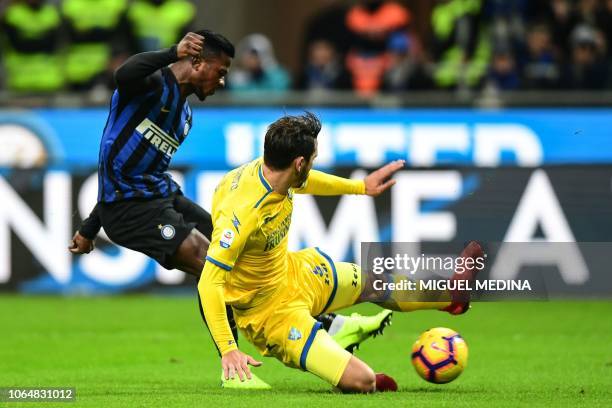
503	73
160	23
324	69
507	18
405	70
587	11
539	63
372	23
328	24
588	69
256	67
462	44
562	18
99	40
605	24
30	31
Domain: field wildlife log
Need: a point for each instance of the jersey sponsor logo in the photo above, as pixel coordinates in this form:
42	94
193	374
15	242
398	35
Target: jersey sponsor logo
158	138
278	234
294	334
167	231
227	237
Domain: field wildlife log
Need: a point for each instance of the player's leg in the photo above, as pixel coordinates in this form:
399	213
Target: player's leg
357	377
327	360
353	286
299	342
350	331
453	302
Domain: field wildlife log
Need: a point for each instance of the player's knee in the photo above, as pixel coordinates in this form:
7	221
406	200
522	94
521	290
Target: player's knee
364	382
196	245
191	253
357	378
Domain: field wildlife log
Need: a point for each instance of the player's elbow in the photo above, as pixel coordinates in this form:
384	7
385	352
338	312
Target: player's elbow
121	76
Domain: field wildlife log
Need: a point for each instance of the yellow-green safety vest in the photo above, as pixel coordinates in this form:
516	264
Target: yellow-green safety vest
160	26
85	60
452	67
34	72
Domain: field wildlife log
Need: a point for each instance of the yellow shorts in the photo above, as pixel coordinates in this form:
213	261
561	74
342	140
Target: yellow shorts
284	327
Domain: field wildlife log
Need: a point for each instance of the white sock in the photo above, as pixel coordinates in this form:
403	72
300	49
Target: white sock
336	325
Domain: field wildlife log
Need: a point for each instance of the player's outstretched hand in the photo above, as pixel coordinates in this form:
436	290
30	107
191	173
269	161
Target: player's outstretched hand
378	181
237	362
80	244
190	46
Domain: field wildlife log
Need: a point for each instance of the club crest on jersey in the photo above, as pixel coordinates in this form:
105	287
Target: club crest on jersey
294	334
227	237
167	231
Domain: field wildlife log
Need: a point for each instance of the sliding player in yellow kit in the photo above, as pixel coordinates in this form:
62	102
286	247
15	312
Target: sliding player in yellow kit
275	293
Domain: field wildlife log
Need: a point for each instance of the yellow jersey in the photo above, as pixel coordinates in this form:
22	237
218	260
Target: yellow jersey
247	260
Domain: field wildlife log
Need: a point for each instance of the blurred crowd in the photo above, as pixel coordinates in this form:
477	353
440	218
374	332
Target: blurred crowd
368	46
75	45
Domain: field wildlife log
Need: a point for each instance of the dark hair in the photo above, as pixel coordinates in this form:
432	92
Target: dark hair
215	44
290	137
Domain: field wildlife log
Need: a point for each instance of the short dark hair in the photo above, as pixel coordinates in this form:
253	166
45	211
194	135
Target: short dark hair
290	137
215	44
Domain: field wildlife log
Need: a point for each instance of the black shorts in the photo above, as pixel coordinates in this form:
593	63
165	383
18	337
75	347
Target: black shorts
156	226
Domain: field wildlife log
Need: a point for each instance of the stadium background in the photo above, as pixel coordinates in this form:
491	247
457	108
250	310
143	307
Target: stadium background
501	109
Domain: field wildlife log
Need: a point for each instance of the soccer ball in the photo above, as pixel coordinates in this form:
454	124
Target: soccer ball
439	355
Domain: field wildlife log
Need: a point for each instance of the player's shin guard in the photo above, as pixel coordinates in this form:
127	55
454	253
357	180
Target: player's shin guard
230	319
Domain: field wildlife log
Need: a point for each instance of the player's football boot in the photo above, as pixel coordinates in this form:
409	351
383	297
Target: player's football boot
357	328
385	383
255	383
460	299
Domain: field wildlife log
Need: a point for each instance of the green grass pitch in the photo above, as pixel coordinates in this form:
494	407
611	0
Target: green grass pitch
147	351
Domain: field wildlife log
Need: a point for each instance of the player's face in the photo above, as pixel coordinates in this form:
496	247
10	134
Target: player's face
210	75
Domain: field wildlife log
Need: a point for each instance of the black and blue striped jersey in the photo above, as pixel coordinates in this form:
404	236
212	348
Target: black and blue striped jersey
147	122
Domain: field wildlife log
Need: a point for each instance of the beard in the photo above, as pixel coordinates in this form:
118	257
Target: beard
302	176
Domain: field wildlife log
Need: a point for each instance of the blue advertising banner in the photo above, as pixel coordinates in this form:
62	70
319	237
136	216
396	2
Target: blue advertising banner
41	209
223	138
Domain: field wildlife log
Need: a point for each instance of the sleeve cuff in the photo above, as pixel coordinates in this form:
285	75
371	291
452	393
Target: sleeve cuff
90	235
172	53
361	187
228	348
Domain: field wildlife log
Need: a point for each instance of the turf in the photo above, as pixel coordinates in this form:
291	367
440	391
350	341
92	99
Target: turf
144	351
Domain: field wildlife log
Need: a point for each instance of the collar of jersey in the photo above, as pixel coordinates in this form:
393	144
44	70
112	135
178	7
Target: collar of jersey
263	179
